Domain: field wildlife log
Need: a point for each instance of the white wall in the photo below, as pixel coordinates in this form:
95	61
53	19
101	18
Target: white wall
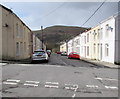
82	45
110	40
70	47
76	44
63	47
113	41
37	44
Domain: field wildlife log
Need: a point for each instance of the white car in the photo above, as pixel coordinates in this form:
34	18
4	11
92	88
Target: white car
64	53
40	55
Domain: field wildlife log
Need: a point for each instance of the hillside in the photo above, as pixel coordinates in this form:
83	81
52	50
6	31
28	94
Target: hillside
53	36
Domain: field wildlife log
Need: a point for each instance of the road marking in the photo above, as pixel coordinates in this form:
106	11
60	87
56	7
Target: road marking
51	86
73	95
12	80
36	82
40	66
71	87
72	84
56	83
105	79
3	64
30	85
9	83
111	87
92	86
52	66
25	64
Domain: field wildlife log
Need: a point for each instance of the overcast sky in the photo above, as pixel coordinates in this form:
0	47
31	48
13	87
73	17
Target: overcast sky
37	14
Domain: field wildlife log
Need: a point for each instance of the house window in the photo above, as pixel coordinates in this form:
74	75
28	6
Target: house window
107	30
21	48
107	27
24	33
101	33
25	47
98	49
17	49
77	42
98	34
17	33
94	34
106	50
88	37
85	39
87	50
21	31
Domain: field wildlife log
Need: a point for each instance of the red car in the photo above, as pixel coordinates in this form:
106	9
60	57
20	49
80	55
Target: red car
74	55
58	52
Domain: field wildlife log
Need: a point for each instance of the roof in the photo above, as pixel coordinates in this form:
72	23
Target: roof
14	14
6	8
111	17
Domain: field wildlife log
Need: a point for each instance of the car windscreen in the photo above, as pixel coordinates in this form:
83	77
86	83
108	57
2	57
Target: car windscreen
74	53
48	50
39	52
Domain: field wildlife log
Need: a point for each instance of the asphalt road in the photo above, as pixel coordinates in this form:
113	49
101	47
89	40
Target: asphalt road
57	59
60	77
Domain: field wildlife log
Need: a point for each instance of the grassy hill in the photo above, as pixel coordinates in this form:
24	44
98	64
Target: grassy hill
54	35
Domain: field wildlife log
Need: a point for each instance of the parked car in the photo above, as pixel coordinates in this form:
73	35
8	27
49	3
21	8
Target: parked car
58	52
64	53
48	52
40	55
74	55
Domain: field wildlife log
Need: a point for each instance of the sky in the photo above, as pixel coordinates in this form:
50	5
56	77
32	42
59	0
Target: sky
46	14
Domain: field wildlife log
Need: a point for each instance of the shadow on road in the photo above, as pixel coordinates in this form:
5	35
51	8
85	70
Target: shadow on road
39	62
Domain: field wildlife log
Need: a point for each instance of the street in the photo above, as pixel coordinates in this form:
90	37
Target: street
60	77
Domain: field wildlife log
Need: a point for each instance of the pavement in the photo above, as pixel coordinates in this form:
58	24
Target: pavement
94	62
4	62
101	63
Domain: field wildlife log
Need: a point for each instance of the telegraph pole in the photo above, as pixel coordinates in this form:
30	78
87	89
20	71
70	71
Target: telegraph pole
42	36
66	41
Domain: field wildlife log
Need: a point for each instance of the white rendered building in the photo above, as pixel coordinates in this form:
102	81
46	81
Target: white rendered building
70	46
110	40
76	44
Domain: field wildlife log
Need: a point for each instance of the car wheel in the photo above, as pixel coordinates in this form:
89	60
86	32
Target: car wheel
46	61
32	61
68	57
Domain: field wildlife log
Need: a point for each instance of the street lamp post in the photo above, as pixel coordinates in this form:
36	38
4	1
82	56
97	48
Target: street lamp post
42	36
66	41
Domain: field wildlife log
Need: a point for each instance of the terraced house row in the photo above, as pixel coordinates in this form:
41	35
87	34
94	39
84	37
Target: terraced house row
101	42
17	41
